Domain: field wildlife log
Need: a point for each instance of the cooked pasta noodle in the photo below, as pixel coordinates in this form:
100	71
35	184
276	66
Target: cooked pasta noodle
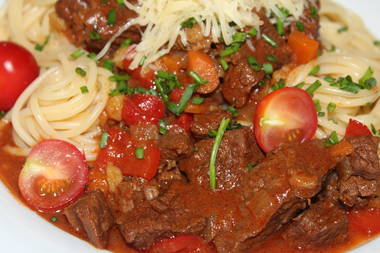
54	106
353	53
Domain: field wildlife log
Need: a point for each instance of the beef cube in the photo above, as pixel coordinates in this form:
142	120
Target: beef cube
175	144
322	224
91	215
203	123
356	191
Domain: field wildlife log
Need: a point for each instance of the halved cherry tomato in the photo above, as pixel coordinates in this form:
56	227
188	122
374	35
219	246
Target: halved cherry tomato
182	244
285	115
120	151
142	108
18	69
203	65
304	48
54	175
356	128
184	121
144	76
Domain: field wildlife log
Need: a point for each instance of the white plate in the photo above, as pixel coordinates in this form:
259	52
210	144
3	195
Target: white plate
21	230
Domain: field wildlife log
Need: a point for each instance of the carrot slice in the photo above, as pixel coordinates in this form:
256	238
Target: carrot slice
304	48
203	65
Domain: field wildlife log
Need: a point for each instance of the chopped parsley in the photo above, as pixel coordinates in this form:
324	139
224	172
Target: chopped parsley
331	107
300	26
314	12
376	42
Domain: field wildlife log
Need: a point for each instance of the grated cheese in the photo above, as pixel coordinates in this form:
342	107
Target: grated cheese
163	19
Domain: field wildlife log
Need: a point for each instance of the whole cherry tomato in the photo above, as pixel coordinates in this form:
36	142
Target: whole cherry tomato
18	69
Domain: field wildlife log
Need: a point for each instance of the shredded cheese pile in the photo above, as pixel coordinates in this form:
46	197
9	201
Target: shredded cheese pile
163	19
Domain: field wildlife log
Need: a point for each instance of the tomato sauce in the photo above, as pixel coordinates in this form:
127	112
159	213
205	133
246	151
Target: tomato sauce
364	225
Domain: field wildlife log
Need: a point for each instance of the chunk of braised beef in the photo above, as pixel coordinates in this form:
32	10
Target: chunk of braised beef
237	150
87	21
356	191
175	144
309	19
324	223
90	215
240	79
365	160
203	123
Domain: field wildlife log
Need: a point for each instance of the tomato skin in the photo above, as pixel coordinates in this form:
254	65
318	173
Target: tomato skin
120	151
141	108
182	244
18	69
54	175
285	115
184	121
145	78
356	128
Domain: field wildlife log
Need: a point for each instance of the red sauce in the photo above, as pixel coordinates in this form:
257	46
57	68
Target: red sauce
364	225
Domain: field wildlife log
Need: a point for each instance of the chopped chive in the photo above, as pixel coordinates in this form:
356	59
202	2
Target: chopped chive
212	133
76	54
269	40
239	37
142	61
252	32
40	47
232	110
95	36
120	2
224	63
189	23
329	79
229	50
315	70
376	42
314	12
196	149
84	89
332	49
367	81
197	100
117	78
139	153
214	151
333	139
321	114
2	114
253	64
300	85
197	78
126	43
178	109
91	55
300	26
54	219
343	29
268	68
104	139
313	87
280	26
163	126
279	85
80	71
111	18
271	58
317	105
331	107
373	130
108	64
250	167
